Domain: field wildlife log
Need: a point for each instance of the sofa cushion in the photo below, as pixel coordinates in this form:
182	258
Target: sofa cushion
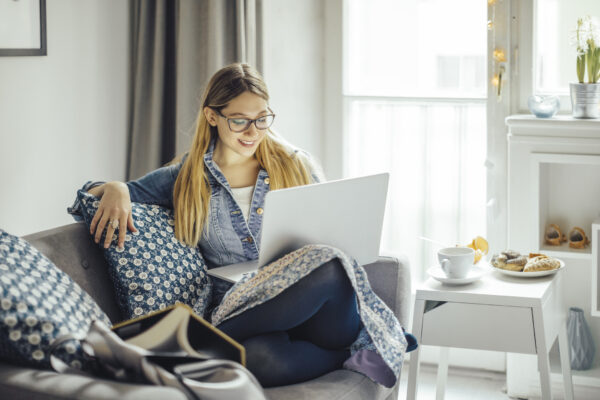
72	249
18	383
39	302
24	383
338	384
154	270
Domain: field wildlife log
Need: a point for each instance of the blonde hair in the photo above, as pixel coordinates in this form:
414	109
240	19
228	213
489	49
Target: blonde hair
192	192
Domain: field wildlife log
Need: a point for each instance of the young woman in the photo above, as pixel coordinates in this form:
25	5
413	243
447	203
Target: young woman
324	315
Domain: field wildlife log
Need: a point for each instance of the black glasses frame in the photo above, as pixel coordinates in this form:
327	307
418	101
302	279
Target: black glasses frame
248	121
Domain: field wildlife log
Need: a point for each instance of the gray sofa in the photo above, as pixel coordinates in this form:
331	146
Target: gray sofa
71	248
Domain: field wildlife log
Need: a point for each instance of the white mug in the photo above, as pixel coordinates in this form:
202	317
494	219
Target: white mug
456	262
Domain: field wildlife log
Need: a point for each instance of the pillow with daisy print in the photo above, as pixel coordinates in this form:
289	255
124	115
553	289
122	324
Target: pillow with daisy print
154	270
38	303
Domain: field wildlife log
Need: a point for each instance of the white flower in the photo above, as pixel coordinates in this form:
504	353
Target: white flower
47	327
14	335
10	320
593	30
70	348
585	34
6	304
34	339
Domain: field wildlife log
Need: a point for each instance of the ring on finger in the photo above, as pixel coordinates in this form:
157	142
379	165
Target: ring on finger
114	223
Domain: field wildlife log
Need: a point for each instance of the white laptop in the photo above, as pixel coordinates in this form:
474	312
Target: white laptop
346	214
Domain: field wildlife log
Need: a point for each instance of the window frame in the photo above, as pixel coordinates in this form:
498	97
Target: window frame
336	106
523	40
335	143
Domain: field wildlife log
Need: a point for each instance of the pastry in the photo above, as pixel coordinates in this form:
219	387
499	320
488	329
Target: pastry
499	260
577	238
510	254
510	260
517	264
554	236
541	263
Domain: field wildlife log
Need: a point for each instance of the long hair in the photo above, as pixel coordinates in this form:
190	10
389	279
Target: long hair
192	192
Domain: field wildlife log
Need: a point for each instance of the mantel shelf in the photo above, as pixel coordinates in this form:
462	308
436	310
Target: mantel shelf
564	251
558	126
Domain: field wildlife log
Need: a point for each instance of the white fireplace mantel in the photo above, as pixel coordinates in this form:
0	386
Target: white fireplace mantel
558	126
554	178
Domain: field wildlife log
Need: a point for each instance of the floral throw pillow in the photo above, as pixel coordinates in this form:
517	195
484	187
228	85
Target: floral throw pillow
154	270
38	303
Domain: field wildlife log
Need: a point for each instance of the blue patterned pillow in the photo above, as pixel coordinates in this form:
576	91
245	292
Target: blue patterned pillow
39	302
154	270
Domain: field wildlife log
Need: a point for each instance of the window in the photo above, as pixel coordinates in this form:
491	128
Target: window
555	55
415	105
546	57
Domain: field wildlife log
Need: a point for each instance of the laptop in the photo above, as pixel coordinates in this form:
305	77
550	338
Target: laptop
346	214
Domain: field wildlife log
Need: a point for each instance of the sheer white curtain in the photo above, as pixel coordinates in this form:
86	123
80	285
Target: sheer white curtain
416	107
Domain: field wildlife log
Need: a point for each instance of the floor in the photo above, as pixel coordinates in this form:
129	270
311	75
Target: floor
463	384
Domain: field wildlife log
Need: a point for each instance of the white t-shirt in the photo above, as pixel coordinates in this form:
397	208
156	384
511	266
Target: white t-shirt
243	196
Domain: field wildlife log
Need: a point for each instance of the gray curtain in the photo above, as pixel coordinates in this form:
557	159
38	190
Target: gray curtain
176	46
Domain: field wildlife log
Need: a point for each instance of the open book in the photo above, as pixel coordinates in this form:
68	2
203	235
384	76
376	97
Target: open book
177	330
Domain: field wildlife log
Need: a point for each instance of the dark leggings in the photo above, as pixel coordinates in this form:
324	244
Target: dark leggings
303	332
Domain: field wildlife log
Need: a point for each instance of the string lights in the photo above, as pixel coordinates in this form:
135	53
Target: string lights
498	55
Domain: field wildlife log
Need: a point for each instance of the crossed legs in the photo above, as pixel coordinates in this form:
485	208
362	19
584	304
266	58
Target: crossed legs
303	332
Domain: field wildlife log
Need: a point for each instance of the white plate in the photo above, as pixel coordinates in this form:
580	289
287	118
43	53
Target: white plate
475	273
533	274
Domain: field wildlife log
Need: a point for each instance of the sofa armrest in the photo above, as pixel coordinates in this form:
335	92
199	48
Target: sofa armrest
390	279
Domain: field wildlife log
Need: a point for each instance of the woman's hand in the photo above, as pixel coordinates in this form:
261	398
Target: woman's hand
115	205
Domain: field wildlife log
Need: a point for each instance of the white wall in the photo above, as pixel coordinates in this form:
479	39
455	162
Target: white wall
63	117
294	50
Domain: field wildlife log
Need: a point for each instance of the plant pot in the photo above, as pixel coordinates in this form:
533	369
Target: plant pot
585	99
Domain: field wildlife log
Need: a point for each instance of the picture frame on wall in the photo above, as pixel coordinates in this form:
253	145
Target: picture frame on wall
22	28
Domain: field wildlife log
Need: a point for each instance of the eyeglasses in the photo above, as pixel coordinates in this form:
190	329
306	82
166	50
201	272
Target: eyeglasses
241	124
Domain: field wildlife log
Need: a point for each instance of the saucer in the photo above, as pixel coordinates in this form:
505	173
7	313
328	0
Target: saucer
475	273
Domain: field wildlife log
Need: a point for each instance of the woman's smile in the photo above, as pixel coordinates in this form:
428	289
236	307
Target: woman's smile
246	143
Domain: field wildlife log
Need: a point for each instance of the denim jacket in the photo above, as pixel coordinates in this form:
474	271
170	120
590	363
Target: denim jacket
229	238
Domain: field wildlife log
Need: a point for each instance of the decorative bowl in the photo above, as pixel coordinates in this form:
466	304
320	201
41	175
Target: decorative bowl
543	106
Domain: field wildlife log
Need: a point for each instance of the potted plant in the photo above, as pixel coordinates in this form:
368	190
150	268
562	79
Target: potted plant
585	96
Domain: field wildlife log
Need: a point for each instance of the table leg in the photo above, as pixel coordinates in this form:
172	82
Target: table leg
442	374
565	361
417	326
542	353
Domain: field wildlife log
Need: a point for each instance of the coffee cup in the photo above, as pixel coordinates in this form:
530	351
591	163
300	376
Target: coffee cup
456	262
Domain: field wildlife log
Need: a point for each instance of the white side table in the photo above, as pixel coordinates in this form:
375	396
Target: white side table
498	312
